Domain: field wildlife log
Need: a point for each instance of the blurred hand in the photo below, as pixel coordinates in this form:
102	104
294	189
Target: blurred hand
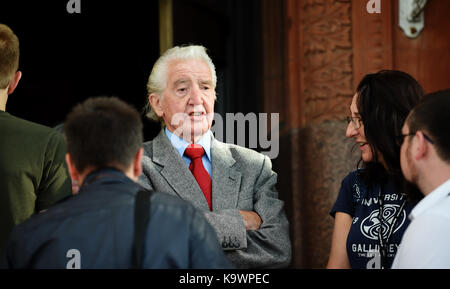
252	220
75	187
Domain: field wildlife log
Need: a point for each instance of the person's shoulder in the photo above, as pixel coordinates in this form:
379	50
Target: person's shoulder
353	181
28	124
167	200
175	208
352	176
148	145
39	223
440	210
91	201
31	128
150	142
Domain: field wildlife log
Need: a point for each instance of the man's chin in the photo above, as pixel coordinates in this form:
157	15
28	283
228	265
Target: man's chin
367	159
199	127
198	133
193	135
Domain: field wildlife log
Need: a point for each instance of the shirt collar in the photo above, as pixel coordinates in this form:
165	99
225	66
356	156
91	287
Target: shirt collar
104	174
181	144
432	199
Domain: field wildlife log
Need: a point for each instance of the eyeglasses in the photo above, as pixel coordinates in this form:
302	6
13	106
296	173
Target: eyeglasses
400	138
356	121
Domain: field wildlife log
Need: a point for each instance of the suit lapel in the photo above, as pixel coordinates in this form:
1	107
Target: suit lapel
176	173
225	179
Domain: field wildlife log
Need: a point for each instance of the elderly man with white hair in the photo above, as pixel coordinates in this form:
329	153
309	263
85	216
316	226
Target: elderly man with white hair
232	185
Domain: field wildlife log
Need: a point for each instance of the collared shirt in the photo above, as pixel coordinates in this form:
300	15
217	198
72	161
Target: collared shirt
180	145
433	199
425	243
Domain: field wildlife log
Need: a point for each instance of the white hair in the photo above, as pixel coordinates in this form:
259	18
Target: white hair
157	80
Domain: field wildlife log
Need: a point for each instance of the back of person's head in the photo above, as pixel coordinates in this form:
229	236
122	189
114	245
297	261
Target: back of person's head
9	55
384	101
157	80
432	116
103	132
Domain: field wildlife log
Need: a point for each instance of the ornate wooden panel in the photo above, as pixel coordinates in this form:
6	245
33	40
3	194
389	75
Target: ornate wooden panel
323	52
372	39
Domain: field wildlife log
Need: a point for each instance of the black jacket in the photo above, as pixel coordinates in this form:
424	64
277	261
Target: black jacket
94	229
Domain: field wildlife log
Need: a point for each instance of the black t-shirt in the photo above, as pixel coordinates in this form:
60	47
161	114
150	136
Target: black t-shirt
363	205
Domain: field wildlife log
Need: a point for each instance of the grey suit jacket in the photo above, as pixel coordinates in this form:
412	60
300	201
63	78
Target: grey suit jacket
242	179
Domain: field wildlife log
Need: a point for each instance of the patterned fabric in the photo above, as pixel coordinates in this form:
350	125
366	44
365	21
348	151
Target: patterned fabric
363	205
242	179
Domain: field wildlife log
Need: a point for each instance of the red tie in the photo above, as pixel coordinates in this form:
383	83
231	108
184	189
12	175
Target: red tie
195	153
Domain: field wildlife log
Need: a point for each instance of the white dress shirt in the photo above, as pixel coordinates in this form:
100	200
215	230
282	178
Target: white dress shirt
180	145
426	242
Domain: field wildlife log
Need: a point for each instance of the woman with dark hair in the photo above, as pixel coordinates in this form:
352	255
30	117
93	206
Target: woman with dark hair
371	210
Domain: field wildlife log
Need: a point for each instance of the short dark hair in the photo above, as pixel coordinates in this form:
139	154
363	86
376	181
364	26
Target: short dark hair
103	132
432	115
9	55
384	101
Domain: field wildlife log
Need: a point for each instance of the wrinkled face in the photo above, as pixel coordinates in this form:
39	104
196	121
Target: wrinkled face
187	105
358	133
407	164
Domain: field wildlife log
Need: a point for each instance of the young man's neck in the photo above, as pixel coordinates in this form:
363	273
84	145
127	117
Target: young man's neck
129	173
3	98
435	177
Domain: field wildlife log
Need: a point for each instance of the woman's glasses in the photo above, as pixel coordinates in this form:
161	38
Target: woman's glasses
356	121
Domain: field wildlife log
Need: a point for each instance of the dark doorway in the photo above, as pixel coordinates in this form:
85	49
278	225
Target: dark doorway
107	49
110	47
231	30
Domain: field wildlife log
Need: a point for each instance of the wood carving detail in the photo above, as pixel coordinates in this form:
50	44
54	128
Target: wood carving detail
326	77
377	56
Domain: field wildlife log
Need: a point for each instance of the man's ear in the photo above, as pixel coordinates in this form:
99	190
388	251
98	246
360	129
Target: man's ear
422	146
137	163
156	103
74	174
14	82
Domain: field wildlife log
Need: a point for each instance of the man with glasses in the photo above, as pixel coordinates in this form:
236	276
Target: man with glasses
425	161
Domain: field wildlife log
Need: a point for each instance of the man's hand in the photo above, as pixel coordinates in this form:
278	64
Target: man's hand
252	220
